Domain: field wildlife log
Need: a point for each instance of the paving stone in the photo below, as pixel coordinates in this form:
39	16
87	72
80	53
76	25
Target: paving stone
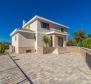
9	72
67	68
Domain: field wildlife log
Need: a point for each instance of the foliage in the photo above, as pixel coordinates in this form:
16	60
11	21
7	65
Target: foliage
71	42
79	44
87	42
46	40
80	39
2	48
79	35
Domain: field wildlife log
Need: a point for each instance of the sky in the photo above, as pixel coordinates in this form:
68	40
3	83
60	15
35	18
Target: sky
73	13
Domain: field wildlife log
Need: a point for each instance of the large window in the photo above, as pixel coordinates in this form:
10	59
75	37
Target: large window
62	29
44	25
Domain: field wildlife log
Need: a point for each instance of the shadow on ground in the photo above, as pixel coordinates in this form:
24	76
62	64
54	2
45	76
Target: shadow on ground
88	60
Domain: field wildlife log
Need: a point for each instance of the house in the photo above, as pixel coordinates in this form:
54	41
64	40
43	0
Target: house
30	37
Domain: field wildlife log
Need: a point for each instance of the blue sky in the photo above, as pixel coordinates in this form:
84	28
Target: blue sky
73	13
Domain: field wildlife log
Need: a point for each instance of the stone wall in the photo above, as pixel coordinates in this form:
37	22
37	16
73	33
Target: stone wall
45	50
76	50
60	50
24	50
48	50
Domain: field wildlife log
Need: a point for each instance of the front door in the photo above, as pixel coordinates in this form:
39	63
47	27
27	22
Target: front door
60	41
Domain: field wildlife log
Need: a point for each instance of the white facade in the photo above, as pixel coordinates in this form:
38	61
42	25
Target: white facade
31	35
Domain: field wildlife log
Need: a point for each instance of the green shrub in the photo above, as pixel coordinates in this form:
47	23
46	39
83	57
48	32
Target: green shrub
46	40
2	48
79	44
87	43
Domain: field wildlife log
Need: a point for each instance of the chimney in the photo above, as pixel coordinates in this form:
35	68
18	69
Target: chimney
24	22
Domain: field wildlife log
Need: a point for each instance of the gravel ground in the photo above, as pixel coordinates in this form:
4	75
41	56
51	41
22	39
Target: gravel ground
9	72
67	68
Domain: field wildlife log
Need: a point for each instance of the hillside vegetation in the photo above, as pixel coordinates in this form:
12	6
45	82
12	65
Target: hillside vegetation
80	38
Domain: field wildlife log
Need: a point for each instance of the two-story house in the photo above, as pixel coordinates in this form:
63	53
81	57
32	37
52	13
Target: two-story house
30	37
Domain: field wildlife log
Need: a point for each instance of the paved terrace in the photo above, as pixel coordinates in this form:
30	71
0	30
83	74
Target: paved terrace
9	72
67	68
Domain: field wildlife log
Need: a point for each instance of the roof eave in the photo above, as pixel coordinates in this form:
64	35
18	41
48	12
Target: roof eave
18	30
38	17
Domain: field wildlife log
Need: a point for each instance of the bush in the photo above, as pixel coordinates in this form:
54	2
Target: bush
46	40
87	43
71	42
79	44
2	48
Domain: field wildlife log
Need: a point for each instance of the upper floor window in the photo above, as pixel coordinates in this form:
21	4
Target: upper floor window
62	29
44	25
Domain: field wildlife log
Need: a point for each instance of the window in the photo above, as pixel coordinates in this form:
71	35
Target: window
62	29
44	25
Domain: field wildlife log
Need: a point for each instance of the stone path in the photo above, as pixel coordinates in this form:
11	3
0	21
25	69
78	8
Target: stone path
10	73
68	68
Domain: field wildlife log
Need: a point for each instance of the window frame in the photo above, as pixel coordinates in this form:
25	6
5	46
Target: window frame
45	25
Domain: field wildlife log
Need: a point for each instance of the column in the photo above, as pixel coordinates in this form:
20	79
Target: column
64	41
54	41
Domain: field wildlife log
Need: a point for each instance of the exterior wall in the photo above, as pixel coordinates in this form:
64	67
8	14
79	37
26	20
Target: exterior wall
41	32
15	42
33	26
54	27
22	44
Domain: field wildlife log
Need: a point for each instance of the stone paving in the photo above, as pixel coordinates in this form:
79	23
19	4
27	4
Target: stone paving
67	68
9	72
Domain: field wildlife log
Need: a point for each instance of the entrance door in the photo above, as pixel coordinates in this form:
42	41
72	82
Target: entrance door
60	41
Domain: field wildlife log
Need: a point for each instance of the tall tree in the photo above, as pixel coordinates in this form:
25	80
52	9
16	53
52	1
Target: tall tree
79	35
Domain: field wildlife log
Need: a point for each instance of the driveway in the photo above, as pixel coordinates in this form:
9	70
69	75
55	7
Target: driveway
9	72
67	68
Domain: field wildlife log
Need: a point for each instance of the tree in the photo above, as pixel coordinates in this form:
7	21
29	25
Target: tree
71	42
79	36
46	40
2	48
87	42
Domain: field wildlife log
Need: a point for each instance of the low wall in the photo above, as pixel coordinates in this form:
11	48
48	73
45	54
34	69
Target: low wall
48	50
45	50
39	50
25	50
60	50
76	50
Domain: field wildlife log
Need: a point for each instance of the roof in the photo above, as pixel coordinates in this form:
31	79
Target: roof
21	30
41	18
